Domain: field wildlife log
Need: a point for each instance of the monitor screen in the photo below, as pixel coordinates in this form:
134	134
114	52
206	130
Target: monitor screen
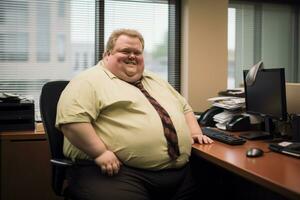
267	96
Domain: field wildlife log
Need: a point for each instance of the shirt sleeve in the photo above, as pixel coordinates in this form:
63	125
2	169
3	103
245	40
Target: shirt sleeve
185	105
77	103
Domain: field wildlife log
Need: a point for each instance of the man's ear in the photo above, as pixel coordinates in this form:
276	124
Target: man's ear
105	53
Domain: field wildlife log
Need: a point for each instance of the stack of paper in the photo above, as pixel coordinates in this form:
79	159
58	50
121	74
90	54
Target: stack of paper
6	97
223	118
230	103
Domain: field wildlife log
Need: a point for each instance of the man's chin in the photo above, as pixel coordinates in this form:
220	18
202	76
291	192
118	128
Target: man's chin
132	77
131	73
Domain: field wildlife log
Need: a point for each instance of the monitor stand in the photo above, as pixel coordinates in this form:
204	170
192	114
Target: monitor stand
260	135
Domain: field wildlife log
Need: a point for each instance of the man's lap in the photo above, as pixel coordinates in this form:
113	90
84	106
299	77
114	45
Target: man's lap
87	182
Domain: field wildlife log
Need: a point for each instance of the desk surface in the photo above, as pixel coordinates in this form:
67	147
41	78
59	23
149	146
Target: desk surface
38	133
275	171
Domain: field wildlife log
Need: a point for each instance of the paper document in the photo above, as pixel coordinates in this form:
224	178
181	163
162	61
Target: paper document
223	117
230	103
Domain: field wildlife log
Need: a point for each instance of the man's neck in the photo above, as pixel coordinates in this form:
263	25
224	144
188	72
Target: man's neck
121	76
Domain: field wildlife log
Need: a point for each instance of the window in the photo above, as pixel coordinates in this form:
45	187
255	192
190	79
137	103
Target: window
43	31
14	41
42	41
262	31
158	22
13	47
61	8
143	16
61	47
38	45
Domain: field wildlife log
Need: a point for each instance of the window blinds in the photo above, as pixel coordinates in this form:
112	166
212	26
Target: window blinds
42	41
263	31
159	23
49	40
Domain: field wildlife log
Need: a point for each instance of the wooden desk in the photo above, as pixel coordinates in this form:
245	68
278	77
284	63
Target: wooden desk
25	168
279	173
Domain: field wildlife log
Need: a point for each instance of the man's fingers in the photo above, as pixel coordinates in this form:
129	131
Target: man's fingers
115	167
108	163
103	169
200	139
109	170
203	139
207	140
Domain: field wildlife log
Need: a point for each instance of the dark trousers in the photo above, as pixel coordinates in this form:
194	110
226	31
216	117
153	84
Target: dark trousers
88	183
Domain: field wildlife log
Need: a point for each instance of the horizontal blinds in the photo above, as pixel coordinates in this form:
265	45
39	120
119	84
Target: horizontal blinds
174	45
49	40
42	41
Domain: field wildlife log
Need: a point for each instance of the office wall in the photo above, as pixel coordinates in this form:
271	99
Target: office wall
204	54
204	50
293	97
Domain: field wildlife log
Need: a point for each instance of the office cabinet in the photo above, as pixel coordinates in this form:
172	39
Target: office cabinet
16	116
25	167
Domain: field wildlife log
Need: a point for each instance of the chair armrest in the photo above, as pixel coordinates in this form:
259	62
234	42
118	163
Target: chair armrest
61	162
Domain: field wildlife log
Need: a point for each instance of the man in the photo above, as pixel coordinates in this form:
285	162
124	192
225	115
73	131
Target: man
106	118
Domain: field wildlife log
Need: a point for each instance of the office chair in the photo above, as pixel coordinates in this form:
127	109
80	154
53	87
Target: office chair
48	102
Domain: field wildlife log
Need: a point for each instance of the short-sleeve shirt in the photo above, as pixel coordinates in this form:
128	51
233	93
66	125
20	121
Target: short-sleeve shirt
124	119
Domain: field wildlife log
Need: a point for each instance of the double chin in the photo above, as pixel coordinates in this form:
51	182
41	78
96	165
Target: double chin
132	76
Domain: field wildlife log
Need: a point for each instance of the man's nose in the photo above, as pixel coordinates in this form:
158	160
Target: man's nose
131	55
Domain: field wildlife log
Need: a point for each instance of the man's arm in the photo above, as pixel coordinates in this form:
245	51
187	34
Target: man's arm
195	129
84	137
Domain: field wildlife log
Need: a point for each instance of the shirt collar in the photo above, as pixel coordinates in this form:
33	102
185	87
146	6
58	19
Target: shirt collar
108	73
146	74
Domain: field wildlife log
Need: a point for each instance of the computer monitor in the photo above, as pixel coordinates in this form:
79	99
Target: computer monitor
266	97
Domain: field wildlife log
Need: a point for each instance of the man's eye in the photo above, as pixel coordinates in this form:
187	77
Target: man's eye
137	53
124	52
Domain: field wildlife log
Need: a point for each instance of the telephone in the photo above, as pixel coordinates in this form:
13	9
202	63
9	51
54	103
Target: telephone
206	118
238	123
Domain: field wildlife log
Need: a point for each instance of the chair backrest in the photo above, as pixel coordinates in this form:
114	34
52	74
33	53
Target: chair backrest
48	102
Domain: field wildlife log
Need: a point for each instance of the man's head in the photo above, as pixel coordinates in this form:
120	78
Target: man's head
124	54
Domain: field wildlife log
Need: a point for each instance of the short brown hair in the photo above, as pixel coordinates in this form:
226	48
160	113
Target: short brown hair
117	33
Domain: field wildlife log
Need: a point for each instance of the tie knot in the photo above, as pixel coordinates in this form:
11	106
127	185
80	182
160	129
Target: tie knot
138	84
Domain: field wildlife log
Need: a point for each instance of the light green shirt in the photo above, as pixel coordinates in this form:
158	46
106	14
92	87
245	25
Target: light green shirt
124	119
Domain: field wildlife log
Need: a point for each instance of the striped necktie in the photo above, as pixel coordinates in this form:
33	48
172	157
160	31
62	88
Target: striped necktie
169	129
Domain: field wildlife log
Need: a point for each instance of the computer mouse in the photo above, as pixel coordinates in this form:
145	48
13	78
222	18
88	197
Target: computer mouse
254	152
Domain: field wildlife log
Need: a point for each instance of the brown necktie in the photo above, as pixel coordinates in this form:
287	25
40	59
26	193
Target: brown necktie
169	130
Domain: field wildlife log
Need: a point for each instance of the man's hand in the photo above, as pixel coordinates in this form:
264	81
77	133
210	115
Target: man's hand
201	139
108	162
195	130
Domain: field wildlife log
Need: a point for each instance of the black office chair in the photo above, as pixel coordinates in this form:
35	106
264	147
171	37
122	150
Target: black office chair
48	102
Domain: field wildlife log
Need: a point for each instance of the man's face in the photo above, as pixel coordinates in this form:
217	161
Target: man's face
126	60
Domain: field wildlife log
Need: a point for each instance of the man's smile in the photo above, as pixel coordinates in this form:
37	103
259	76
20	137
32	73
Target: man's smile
133	62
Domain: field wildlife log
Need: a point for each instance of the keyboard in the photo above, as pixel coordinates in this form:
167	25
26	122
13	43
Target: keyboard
222	136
